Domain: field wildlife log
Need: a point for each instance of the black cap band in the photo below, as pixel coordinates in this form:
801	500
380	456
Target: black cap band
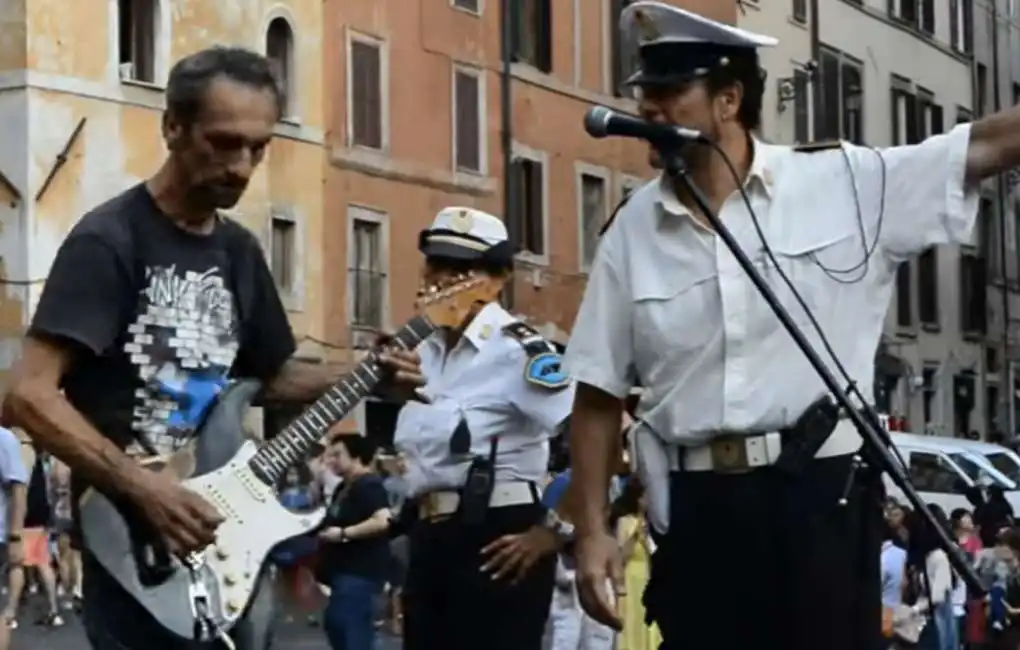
455	245
678	62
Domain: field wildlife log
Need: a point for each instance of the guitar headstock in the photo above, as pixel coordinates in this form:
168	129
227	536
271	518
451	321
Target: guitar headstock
449	303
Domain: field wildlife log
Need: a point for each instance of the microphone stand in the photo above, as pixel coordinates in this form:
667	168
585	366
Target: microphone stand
864	419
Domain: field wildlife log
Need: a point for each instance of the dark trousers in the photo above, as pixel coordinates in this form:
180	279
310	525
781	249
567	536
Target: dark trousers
450	604
766	560
114	621
350	614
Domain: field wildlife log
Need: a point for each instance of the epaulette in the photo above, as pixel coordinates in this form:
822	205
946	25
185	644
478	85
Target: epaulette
813	147
544	367
612	217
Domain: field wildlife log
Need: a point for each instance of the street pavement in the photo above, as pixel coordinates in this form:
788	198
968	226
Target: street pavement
294	635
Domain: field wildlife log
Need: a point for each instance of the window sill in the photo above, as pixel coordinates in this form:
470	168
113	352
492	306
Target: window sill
474	13
138	83
532	259
379	165
931	328
972	337
290	120
906	332
799	24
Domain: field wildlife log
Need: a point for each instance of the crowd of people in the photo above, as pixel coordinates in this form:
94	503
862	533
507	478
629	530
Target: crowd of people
927	604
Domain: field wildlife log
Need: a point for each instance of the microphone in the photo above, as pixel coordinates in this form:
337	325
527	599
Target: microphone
602	122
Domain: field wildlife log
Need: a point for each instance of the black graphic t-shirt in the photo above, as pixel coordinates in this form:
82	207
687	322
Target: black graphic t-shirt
160	319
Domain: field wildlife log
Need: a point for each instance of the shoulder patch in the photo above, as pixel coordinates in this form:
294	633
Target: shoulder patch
544	367
612	217
812	147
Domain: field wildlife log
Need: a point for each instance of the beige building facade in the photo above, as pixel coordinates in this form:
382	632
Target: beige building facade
81	98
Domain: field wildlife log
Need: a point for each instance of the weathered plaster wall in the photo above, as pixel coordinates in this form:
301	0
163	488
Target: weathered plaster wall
59	64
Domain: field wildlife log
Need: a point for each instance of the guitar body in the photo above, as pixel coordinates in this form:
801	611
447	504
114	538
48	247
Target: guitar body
216	467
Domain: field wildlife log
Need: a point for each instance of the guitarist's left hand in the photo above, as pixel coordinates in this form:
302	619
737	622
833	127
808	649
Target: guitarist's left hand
406	367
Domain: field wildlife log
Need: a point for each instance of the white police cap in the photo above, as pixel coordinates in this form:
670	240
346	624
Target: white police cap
675	45
466	234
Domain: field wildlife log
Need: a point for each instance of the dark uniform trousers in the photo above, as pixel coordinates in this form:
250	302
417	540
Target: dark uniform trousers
114	621
450	604
763	559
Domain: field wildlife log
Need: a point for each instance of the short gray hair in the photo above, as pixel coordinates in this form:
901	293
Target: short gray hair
191	77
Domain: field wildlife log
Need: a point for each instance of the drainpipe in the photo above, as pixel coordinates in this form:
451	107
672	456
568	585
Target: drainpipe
1006	390
507	138
817	105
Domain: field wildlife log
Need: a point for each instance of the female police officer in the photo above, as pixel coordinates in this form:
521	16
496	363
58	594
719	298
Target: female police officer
476	447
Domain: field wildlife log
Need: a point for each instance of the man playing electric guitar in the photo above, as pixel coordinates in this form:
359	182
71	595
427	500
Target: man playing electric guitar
153	302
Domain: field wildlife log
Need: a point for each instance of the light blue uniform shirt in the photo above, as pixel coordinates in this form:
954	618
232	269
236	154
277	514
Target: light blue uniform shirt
12	470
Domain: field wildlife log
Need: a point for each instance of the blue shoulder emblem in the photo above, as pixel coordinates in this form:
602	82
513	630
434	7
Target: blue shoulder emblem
546	370
544	367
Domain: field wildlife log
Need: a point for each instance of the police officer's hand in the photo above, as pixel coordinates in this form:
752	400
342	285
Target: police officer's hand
512	556
599	569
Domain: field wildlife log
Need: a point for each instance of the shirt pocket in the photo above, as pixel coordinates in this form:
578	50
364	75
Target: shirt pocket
817	264
671	310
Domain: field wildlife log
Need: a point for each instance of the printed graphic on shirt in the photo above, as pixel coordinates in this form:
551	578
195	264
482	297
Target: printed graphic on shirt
183	343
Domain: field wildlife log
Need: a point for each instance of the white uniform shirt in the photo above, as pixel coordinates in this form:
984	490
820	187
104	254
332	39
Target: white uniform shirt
482	381
668	304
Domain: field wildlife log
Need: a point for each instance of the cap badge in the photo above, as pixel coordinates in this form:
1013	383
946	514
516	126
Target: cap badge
646	26
462	221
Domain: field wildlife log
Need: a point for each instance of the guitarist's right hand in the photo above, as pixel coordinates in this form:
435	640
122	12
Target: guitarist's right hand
185	521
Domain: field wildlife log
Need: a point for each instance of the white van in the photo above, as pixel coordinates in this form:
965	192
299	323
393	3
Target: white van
1003	459
942	472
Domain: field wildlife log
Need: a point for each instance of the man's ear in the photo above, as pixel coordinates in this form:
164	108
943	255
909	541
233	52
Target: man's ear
173	132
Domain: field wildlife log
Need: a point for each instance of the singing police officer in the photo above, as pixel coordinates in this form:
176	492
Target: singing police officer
476	448
726	390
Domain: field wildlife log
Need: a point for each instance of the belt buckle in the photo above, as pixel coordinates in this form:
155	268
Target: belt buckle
729	454
428	508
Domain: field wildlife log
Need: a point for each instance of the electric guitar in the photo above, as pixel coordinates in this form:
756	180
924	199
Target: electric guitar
203	596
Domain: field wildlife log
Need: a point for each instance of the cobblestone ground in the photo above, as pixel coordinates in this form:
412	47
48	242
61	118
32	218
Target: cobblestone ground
294	635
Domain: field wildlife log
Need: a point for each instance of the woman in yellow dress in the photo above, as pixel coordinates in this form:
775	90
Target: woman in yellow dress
636	547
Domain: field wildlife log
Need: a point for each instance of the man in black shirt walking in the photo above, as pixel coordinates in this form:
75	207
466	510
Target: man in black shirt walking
154	300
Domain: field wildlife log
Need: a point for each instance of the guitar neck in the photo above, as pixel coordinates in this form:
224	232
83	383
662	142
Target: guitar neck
297	439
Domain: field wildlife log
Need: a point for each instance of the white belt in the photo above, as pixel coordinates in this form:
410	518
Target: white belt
445	502
741	453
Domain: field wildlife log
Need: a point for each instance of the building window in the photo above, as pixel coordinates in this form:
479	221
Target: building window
594	210
928	17
961	31
367	274
622	63
528	183
532	30
990	247
982	89
904	299
800	11
282	252
468	129
928	392
801	106
928	289
842	93
138	23
472	6
1016	94
366	94
973	290
904	11
992	408
280	52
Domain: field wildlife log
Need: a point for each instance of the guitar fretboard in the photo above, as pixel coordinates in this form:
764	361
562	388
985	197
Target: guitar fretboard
296	440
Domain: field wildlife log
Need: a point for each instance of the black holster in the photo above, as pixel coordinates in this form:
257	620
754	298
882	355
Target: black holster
476	495
802	441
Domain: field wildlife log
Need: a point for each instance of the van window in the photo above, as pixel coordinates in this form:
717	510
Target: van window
929	473
974	471
1003	462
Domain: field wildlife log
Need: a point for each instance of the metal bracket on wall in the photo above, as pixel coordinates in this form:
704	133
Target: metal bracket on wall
60	160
